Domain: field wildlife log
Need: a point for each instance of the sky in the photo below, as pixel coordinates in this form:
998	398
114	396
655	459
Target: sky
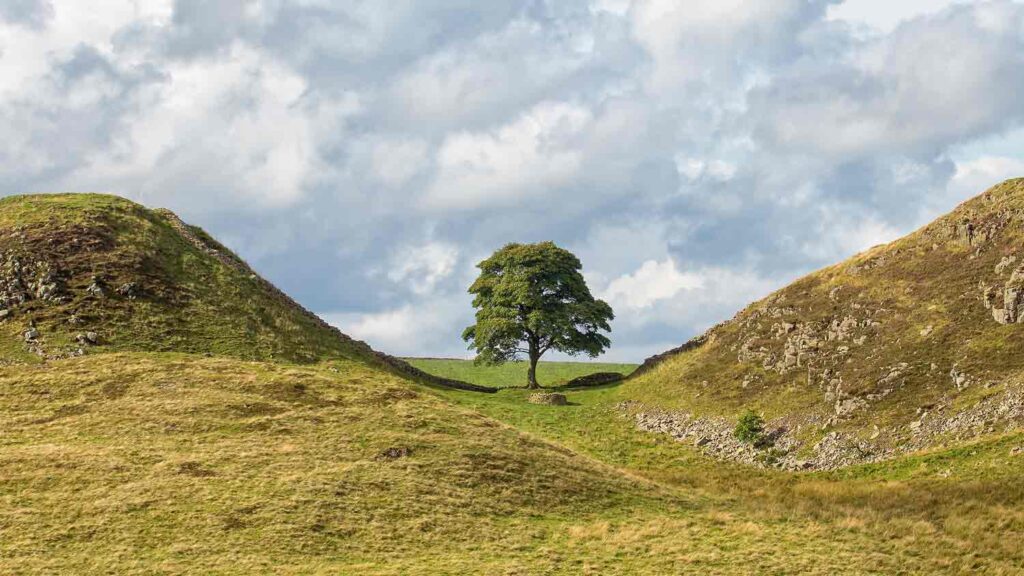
365	155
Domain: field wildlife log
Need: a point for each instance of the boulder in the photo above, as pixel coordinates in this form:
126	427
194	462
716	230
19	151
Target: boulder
548	398
129	290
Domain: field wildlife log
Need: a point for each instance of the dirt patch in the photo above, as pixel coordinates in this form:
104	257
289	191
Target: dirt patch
195	469
64	412
114	390
252	409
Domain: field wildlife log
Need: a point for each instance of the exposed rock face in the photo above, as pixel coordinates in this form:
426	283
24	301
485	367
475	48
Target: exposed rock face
547	398
835	449
1007	302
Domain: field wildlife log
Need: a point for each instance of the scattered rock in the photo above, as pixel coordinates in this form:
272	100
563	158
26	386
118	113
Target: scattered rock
90	338
1017	451
5	314
394	453
548	398
129	290
31	334
96	288
927	330
1006	262
960	379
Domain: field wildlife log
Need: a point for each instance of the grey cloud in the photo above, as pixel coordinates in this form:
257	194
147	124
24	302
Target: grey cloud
34	14
310	136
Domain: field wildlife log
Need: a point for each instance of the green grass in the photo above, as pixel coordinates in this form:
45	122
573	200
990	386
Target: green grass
190	300
513	374
957	510
291	451
172	464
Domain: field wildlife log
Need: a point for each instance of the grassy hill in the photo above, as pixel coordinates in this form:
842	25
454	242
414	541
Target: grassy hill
88	273
142	463
212	425
913	344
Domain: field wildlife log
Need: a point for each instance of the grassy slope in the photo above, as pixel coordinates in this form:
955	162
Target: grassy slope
952	511
189	301
512	374
170	463
166	463
894	293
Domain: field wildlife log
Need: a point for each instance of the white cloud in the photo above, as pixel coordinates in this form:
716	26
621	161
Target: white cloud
884	96
234	126
526	158
649	284
423	267
411	329
884	15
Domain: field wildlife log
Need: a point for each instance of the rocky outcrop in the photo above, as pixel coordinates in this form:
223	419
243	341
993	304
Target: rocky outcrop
935	424
1006	301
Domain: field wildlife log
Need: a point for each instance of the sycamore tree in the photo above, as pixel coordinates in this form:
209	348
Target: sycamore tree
532	298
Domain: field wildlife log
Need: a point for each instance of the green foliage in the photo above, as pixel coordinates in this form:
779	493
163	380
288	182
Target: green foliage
750	428
531	298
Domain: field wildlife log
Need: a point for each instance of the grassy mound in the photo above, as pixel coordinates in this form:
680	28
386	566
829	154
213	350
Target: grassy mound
892	347
87	273
139	279
171	463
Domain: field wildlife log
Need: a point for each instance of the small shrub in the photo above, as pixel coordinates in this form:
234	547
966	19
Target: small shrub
750	428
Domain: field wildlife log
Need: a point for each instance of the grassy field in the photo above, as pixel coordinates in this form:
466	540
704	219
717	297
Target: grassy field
957	511
172	464
281	447
513	374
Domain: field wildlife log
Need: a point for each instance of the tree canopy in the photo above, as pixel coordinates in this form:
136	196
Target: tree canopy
532	298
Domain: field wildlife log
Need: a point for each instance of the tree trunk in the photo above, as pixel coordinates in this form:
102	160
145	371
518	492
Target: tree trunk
532	374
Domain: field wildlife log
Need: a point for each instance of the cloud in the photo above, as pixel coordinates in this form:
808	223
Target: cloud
423	267
34	14
364	154
410	330
884	96
652	282
524	159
